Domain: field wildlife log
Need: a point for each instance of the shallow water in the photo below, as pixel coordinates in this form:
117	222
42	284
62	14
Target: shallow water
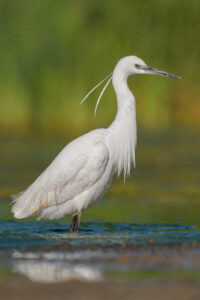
15	234
159	205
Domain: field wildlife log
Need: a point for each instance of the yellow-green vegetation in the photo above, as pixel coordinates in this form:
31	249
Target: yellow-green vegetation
6	274
131	211
53	52
155	274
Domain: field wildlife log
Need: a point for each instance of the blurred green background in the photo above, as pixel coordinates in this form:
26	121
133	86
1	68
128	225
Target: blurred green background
53	52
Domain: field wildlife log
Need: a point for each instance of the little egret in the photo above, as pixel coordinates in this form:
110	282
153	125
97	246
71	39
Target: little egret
83	170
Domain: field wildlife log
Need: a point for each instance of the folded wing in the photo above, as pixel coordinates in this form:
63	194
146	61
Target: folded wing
77	167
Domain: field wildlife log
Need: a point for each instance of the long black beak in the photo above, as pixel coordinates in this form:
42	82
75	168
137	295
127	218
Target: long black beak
158	72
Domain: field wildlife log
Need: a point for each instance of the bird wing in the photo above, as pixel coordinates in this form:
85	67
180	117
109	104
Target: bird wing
75	176
76	168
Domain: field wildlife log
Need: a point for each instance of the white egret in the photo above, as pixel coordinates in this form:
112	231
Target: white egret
83	170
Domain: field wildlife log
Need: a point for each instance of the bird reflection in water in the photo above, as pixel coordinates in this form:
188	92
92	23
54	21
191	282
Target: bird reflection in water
53	270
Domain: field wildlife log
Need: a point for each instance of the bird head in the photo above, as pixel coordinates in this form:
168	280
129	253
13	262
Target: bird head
126	66
130	65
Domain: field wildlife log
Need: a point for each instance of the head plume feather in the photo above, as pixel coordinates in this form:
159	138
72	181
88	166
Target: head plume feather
102	92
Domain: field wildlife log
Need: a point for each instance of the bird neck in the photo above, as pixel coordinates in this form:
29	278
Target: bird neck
122	91
122	132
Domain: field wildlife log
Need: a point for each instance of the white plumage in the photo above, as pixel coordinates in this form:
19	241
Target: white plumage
83	170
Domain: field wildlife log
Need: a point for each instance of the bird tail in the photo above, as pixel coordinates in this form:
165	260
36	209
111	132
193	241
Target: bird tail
20	208
27	203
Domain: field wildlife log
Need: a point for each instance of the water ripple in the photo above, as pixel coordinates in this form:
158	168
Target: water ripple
16	234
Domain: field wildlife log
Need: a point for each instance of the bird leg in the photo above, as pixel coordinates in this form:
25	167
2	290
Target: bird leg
78	221
75	225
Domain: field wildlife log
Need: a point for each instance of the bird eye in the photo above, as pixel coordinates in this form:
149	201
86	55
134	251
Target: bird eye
137	66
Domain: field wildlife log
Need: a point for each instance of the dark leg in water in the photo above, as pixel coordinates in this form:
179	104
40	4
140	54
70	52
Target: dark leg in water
75	225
